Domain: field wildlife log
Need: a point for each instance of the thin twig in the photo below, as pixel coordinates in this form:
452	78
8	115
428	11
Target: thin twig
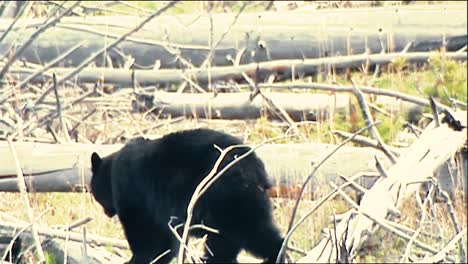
441	255
221	38
23	190
26	6
33	37
26	227
50	65
369	119
453	217
405	257
60	6
334	237
353	183
104	49
51	130
65	248
435	111
414	129
301	192
78	223
81	121
53	114
84	245
134	7
319	203
59	110
365	141
454	101
339	88
382	223
160	256
208	181
209	58
272	106
380	168
73	236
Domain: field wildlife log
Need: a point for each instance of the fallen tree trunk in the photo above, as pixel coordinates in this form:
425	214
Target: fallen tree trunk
300	35
282	70
66	167
300	107
420	162
70	251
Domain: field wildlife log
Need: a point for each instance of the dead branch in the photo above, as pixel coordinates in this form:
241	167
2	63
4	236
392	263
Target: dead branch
16	236
221	38
319	203
73	236
36	34
352	213
367	142
203	186
85	63
424	156
50	65
301	192
442	255
24	195
59	110
427	201
369	120
24	10
456	225
365	89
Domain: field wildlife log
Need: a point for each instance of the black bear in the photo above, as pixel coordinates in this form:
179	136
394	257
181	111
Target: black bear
149	182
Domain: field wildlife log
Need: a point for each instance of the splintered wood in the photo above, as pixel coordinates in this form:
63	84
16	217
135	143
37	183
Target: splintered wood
434	147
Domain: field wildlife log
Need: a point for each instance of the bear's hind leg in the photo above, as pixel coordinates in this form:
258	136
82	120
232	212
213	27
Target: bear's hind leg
264	241
221	250
147	239
248	221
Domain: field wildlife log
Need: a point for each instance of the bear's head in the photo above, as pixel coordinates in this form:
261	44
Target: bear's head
101	187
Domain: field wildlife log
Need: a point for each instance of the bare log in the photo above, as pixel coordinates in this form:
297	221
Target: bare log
282	69
73	247
300	107
66	167
383	93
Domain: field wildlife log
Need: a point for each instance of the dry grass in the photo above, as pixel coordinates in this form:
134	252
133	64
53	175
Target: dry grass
70	207
382	247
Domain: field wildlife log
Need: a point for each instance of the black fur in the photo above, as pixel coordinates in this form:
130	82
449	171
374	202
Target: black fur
149	181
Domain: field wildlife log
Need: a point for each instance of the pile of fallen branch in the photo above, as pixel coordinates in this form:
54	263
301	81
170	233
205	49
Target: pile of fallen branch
85	82
40	88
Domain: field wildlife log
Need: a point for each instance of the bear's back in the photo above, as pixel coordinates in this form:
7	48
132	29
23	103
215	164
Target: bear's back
197	138
176	163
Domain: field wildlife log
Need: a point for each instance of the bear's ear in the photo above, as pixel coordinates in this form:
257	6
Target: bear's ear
95	161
